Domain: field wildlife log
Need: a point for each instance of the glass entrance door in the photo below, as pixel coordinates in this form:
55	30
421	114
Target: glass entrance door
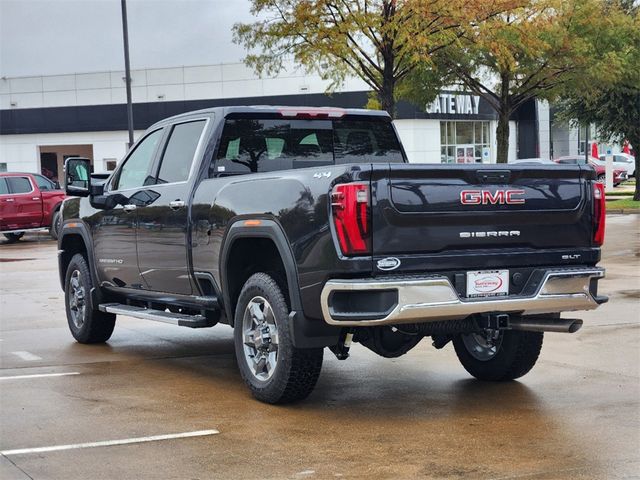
465	154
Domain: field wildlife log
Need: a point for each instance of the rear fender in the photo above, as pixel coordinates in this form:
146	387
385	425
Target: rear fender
306	333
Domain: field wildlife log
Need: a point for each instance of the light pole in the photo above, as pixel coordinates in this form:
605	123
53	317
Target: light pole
127	70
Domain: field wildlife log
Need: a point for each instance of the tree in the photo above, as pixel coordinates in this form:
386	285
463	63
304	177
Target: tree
369	39
530	51
613	106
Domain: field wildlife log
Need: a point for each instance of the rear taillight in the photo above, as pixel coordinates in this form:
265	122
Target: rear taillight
350	210
599	213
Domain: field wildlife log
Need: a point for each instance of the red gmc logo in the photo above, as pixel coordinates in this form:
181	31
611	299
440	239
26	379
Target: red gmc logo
487	197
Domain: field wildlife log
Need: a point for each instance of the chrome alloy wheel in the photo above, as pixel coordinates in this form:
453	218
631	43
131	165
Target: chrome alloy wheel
77	304
260	338
483	346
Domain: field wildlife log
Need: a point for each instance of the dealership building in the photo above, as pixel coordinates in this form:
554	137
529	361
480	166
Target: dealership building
45	119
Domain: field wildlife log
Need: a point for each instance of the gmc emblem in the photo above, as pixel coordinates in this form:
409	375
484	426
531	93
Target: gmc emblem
487	197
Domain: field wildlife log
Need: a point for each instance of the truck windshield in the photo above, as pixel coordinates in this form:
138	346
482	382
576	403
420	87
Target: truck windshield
251	145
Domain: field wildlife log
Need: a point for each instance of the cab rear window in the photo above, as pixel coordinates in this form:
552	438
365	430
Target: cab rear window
250	145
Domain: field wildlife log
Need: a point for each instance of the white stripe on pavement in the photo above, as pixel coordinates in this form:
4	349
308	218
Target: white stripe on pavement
39	375
28	356
109	443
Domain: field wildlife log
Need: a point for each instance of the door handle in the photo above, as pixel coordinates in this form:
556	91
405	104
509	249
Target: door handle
129	207
176	204
10	200
35	198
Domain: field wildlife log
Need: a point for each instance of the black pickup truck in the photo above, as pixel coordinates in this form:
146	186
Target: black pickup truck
306	228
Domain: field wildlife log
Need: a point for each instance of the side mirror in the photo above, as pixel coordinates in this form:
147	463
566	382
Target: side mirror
77	177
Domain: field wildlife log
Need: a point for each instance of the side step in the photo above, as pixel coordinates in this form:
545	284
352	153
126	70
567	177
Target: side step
180	319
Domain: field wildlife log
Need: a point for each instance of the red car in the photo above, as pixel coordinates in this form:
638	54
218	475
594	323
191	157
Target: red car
29	201
619	174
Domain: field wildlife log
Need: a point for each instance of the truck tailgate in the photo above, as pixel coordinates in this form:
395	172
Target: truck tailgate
430	209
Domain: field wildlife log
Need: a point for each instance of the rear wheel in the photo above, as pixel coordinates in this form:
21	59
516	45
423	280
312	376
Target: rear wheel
86	322
495	355
13	237
602	178
274	370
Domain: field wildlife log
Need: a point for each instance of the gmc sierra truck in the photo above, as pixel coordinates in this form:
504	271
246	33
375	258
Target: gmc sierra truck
306	228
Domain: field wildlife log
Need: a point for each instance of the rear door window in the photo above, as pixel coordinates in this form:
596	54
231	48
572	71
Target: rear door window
250	145
180	151
4	189
19	185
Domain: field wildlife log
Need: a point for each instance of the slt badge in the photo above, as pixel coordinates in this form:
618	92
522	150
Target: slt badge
389	263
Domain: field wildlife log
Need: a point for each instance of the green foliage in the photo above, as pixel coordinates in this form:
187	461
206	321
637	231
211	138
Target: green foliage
381	42
611	101
627	204
533	49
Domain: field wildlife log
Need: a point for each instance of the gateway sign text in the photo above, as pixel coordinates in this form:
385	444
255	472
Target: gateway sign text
461	104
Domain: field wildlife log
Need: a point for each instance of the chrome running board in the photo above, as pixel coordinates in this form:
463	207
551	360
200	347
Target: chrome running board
180	319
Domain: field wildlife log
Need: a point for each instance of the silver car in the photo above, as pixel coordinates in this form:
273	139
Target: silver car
623	160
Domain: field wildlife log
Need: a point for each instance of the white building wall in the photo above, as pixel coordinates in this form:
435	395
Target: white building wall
544	133
421	139
204	82
513	141
573	141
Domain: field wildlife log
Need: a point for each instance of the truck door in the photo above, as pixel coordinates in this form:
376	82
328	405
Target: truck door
114	229
163	213
23	205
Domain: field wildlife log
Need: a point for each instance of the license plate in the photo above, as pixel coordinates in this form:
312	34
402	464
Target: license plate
488	283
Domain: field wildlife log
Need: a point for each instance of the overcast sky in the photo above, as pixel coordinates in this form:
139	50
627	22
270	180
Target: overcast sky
48	37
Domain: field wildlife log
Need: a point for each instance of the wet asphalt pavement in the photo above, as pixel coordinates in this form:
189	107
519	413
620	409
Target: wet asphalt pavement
576	415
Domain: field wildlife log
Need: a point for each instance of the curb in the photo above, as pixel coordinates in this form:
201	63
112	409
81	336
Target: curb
630	211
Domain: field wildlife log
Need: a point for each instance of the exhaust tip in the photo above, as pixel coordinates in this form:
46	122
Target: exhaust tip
575	326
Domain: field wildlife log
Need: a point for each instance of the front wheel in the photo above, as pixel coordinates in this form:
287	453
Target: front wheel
274	370
498	355
86	322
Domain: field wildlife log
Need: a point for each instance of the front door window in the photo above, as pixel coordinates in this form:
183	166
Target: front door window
135	170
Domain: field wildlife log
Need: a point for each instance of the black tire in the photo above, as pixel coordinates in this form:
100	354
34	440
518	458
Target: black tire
13	237
56	223
88	325
516	354
601	178
296	370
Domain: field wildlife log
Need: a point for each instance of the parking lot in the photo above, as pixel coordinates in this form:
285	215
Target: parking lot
576	415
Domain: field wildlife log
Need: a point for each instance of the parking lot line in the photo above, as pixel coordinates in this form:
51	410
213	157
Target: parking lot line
28	356
109	443
39	375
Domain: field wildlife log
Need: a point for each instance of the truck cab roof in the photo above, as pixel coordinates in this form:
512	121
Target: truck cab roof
286	111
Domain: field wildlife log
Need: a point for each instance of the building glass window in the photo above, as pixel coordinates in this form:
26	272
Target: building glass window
465	142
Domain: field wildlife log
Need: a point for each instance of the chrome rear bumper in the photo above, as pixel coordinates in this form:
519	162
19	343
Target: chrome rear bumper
434	298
